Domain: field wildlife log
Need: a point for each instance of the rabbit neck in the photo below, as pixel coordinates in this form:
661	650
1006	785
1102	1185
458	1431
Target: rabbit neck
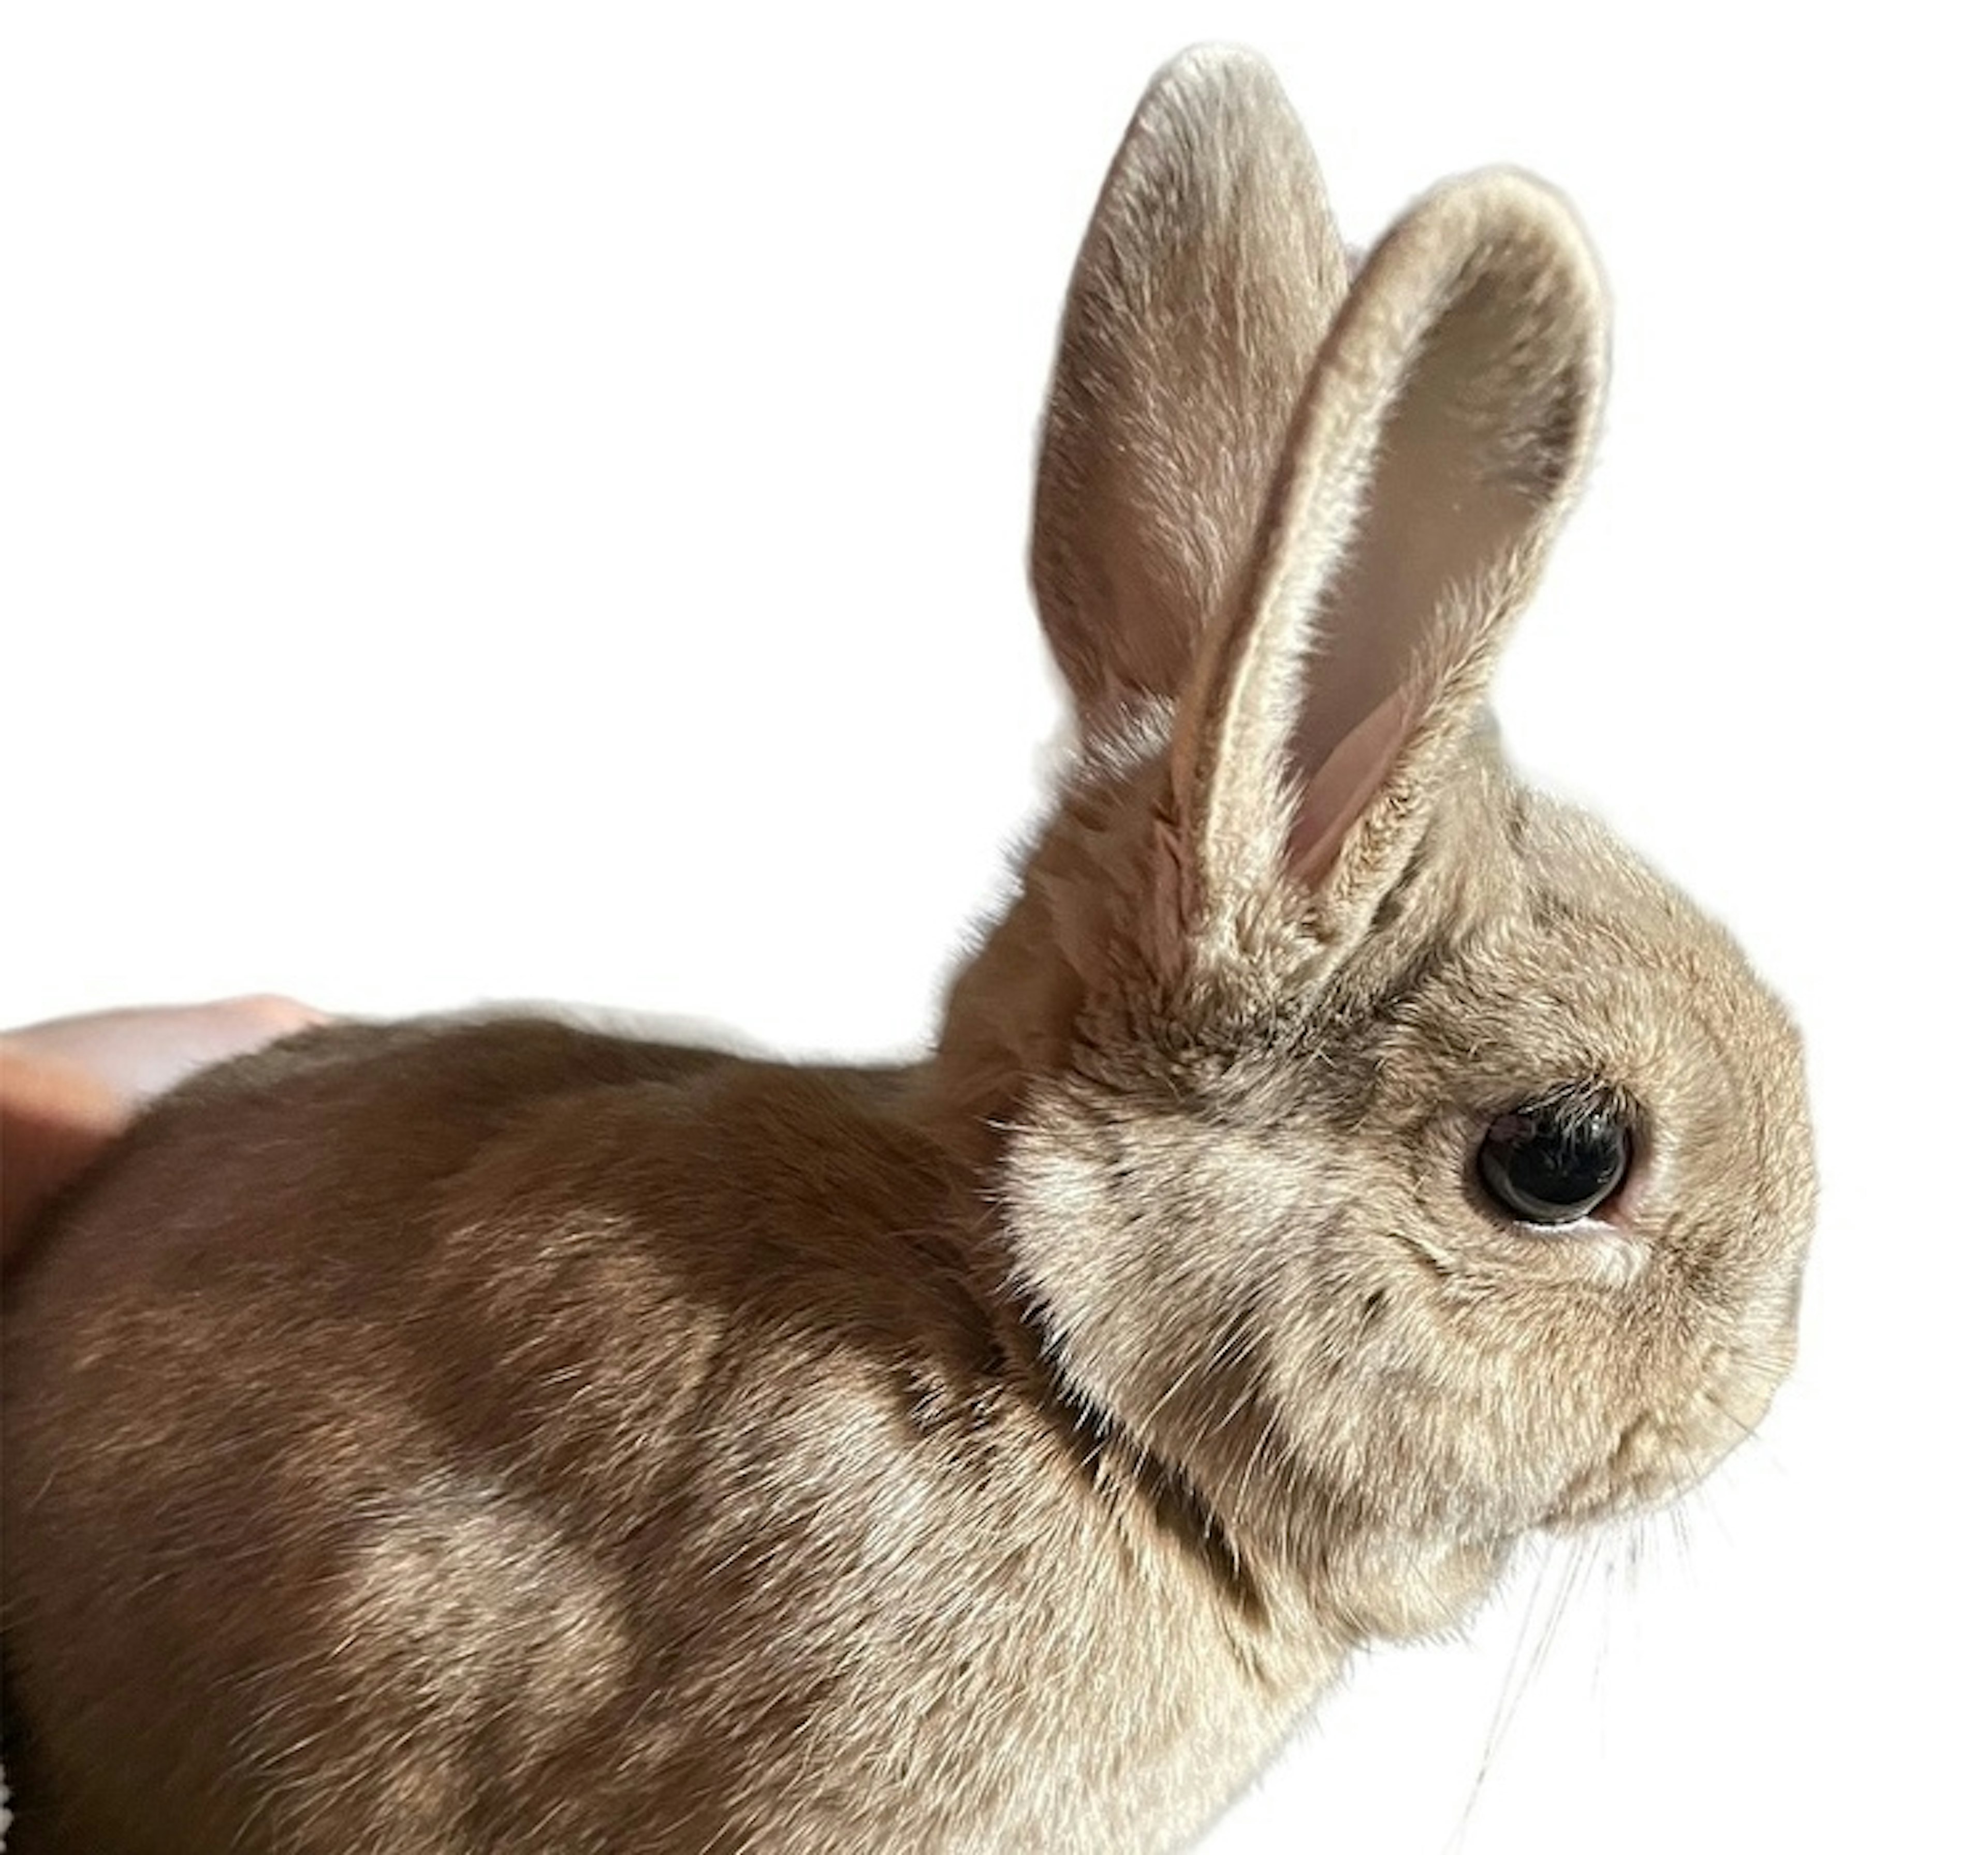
1080	913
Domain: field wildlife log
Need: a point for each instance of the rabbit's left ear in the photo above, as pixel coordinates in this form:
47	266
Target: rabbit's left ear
1438	441
1208	277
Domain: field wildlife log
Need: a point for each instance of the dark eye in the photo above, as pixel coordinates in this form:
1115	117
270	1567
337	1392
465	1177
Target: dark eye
1553	1163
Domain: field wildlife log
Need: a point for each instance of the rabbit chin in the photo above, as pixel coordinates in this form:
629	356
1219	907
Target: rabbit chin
1663	1455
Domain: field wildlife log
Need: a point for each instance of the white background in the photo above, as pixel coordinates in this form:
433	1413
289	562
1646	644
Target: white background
513	501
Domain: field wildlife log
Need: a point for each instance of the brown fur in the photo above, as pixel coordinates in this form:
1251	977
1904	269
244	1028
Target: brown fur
452	1436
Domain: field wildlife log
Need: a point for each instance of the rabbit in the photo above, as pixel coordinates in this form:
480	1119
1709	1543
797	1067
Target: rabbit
1339	1165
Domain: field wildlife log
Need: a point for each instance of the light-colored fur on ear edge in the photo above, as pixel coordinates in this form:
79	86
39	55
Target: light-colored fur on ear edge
1440	438
1207	277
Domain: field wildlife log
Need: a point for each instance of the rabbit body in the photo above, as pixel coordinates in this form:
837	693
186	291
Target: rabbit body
1338	1164
523	1452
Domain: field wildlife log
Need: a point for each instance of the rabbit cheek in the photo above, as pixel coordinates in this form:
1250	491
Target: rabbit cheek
1677	1378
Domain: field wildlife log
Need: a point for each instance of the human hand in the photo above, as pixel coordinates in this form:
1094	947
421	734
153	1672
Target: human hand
69	1086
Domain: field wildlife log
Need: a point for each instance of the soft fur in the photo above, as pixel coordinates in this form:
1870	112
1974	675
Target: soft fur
467	1436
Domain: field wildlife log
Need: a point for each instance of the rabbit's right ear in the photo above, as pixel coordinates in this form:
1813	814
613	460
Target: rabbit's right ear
1438	443
1209	275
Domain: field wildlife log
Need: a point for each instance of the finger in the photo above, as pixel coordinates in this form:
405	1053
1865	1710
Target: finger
69	1086
140	1052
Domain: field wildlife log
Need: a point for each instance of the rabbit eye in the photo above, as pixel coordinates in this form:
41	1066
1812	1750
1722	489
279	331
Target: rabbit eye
1551	1164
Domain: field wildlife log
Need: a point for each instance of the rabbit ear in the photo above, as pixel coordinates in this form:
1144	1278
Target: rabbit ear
1440	438
1208	278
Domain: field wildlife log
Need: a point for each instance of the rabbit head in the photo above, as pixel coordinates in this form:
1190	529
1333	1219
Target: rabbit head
1385	1152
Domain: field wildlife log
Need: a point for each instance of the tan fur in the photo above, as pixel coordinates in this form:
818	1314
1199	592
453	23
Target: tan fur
466	1436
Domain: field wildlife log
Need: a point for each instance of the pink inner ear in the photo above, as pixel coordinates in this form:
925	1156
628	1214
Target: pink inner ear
1344	787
